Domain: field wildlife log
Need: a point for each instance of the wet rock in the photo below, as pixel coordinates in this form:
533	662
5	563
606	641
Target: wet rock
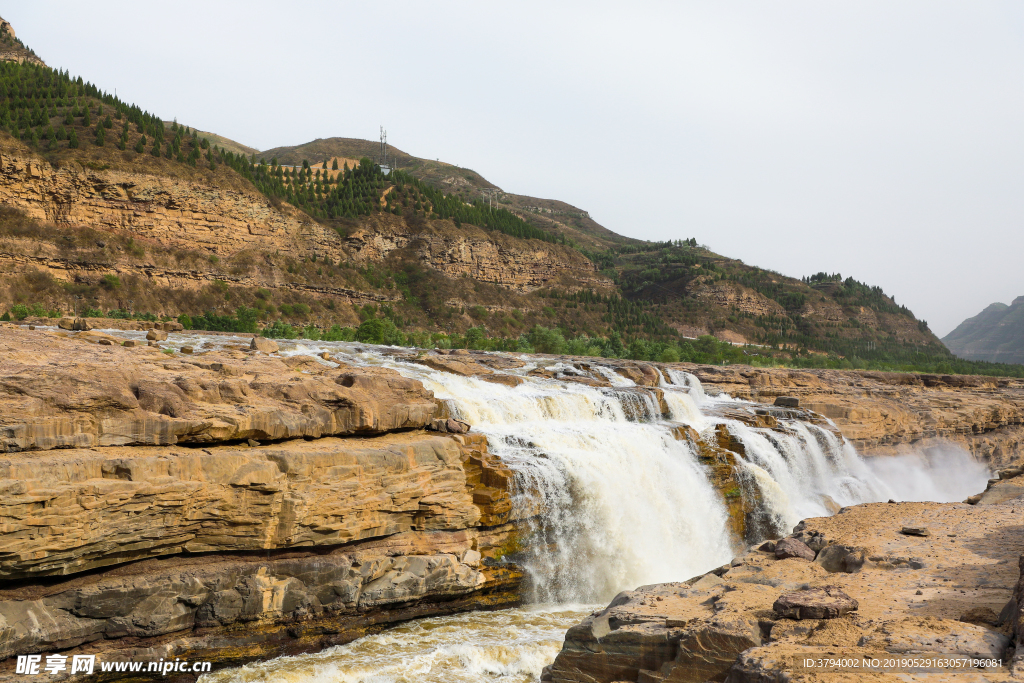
815	603
792	547
187	349
156	335
263	345
507	380
787	402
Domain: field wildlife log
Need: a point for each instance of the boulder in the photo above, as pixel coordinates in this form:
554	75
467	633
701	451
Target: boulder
787	402
263	345
129	343
815	603
915	531
186	349
66	323
507	380
156	335
841	558
792	547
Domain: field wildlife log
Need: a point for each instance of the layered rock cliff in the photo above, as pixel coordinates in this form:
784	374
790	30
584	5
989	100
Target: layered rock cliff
230	505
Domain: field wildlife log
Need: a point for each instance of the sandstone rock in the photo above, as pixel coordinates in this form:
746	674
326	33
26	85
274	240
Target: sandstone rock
787	402
66	323
105	342
331	594
507	380
156	335
97	399
449	426
463	366
116	505
637	637
841	558
792	547
915	531
129	343
815	603
186	349
263	345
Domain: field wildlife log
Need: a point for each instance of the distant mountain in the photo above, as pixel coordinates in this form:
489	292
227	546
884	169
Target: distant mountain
996	334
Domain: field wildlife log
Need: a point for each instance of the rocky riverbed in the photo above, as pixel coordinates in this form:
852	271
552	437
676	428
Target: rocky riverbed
876	592
210	498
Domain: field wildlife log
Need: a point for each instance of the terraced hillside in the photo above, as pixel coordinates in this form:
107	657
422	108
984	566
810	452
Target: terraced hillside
110	210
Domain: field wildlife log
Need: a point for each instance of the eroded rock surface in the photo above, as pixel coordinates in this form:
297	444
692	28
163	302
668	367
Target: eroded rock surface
58	392
206	506
956	593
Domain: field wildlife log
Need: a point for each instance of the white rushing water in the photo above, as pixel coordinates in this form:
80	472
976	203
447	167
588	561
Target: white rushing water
625	503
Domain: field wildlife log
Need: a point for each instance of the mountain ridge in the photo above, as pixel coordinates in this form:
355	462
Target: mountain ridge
994	335
308	249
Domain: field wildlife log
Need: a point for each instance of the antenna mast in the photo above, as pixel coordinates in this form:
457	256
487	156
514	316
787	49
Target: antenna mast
384	151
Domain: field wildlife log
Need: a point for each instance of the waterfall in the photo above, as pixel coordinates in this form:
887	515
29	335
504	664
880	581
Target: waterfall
625	502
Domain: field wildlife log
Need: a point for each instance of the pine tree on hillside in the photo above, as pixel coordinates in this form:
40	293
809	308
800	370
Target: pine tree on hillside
140	146
73	141
156	148
86	121
334	166
101	136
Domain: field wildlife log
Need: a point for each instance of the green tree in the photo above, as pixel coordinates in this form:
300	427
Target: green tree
73	140
86	120
140	146
101	136
334	166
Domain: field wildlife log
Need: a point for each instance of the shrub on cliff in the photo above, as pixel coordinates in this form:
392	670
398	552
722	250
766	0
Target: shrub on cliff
19	312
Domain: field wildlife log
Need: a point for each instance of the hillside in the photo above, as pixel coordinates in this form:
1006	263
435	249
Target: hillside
111	211
12	49
549	214
996	334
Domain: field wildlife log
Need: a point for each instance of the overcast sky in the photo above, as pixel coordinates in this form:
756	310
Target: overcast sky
882	140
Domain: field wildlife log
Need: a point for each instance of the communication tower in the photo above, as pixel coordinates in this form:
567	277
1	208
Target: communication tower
382	159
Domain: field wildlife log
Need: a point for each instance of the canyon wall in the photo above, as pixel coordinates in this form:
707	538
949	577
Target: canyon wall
231	505
219	214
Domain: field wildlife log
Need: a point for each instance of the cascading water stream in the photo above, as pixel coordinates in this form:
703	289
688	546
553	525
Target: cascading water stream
623	503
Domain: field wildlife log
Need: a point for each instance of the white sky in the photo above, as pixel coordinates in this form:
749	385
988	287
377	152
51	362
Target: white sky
882	140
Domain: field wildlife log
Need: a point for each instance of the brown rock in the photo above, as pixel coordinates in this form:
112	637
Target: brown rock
915	531
105	342
186	349
156	335
787	402
264	345
101	399
980	615
462	365
792	547
815	603
129	343
507	380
